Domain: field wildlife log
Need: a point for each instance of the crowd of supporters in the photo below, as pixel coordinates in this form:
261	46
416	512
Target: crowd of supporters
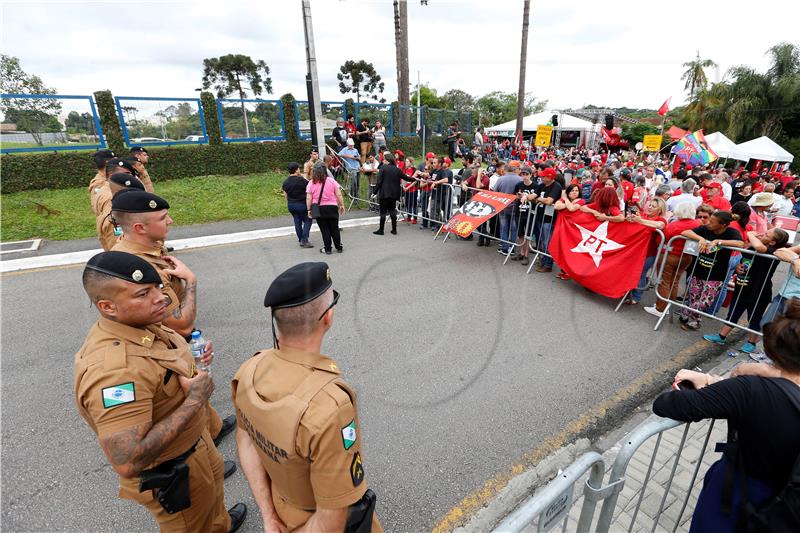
711	208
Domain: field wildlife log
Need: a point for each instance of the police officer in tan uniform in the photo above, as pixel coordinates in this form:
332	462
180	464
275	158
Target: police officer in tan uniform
107	232
138	389
142	157
298	436
144	220
99	158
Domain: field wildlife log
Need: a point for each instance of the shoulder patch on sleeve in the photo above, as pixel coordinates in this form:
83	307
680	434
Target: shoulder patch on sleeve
119	395
349	435
357	470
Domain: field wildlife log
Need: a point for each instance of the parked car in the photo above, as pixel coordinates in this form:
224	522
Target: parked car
194	138
147	140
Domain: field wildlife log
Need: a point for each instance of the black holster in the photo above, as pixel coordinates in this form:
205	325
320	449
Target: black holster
170	480
359	515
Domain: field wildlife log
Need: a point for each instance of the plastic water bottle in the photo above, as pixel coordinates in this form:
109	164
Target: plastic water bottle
197	346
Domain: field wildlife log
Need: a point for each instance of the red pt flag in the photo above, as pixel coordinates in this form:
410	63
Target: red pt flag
664	109
605	257
481	207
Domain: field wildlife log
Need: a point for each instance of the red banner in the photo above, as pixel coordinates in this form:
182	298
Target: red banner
481	207
605	257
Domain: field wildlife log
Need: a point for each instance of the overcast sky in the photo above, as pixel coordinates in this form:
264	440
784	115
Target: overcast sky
579	52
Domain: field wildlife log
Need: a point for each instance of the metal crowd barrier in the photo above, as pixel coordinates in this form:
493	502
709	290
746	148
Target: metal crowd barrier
685	301
652	271
553	503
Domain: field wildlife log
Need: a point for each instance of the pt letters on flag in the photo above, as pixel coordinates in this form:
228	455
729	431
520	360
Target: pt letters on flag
605	257
481	207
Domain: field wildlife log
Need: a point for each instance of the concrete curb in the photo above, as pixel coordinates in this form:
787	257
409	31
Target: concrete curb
72	258
523	486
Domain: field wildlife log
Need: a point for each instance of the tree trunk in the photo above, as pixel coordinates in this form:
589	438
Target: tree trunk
401	51
244	110
523	58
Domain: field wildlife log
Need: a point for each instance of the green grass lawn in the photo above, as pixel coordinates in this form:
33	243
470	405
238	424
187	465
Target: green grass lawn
192	201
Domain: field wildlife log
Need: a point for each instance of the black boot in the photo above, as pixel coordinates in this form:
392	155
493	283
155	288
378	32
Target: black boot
381	225
394	225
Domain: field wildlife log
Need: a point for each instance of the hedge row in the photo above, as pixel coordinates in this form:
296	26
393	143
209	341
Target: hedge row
63	170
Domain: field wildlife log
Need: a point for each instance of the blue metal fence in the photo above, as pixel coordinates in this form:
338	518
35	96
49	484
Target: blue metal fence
413	112
7	98
261	125
197	133
330	110
373	112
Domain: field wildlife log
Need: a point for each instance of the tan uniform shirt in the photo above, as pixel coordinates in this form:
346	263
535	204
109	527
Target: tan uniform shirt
144	177
302	419
121	381
97	183
173	287
103	224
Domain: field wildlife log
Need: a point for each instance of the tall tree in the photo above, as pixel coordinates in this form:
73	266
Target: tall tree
36	116
498	107
360	77
401	51
523	59
458	100
227	74
427	97
695	75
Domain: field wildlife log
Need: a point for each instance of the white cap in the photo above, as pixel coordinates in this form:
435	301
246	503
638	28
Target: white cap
350	142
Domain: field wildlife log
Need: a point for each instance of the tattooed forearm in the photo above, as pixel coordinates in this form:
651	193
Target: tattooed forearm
133	449
188	305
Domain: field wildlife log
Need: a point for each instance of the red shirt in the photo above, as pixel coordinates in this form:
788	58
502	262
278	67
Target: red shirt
719	203
676	228
409	186
655	238
627	188
472	180
351	129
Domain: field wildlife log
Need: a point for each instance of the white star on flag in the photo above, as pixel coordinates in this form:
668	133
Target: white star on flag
596	242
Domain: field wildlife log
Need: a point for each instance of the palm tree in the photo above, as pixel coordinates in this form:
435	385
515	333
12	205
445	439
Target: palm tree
523	59
695	75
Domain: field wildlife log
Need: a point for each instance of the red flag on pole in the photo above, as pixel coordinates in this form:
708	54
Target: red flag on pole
605	257
664	109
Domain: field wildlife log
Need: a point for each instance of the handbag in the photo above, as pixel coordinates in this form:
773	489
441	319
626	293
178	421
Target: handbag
315	211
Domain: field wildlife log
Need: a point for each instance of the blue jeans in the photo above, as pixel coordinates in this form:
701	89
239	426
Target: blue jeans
543	242
776	307
733	262
508	229
302	223
424	196
636	294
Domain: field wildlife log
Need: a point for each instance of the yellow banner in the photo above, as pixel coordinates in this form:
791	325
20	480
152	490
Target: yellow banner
652	143
543	135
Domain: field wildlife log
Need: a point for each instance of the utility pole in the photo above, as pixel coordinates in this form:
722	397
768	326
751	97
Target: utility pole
401	53
312	83
523	58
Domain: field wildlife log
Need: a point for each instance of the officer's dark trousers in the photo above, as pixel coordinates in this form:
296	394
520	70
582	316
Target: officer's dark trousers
328	224
388	206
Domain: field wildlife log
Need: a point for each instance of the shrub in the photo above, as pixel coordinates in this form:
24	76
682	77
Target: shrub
109	121
211	118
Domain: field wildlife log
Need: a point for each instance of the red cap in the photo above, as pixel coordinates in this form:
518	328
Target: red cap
754	174
548	172
573	166
689	167
447	161
594	164
400	153
714	185
430	155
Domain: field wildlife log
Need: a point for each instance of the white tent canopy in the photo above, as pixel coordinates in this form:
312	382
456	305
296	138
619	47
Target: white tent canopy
765	149
724	147
531	122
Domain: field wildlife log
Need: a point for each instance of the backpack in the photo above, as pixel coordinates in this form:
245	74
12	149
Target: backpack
779	513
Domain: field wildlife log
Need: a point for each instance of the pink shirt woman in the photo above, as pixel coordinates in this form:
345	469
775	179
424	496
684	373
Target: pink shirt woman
328	193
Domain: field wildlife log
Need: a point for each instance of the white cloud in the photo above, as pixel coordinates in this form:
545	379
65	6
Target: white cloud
617	54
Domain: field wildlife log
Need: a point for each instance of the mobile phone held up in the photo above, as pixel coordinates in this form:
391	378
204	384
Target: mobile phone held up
683	385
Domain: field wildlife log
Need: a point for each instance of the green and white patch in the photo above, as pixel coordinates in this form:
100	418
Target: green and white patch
118	395
349	435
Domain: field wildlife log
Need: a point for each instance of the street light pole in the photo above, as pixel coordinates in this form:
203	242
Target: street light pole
312	83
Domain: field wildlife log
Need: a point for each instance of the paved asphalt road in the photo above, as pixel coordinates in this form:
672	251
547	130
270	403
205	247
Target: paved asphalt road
461	365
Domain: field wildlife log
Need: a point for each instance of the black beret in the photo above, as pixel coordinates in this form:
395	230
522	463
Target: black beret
138	149
136	201
122	163
126	180
298	285
124	266
100	157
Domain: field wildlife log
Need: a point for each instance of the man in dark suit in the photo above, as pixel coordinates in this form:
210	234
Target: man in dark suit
388	191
